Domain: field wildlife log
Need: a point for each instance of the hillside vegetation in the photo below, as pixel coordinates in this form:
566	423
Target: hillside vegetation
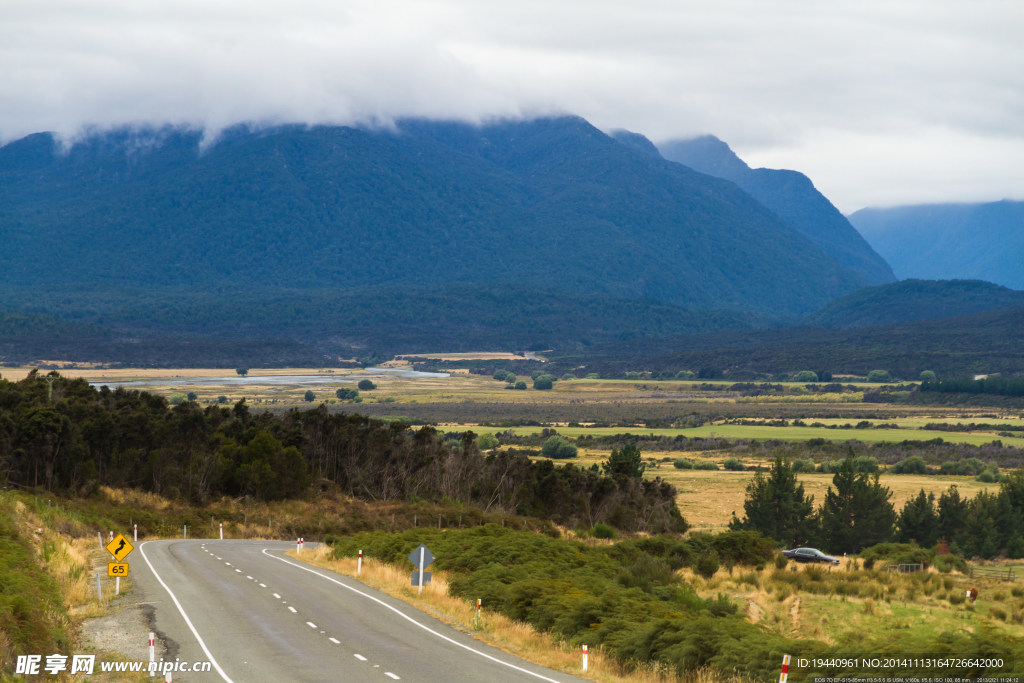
550	202
911	300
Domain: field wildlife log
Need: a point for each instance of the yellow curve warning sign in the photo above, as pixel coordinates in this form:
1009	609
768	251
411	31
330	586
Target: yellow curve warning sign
119	547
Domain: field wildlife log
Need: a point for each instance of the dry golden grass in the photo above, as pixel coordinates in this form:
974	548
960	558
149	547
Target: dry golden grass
515	637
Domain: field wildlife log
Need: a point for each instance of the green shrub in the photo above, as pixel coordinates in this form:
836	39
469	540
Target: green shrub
915	464
781	561
734	465
948	562
682	464
707	565
803	465
602	530
558	448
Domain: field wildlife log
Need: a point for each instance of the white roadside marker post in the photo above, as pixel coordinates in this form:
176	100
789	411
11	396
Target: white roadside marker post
152	654
422	550
222	531
584	657
359	565
135	533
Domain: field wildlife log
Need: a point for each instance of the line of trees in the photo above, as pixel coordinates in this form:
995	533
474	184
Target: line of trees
858	513
64	435
1002	386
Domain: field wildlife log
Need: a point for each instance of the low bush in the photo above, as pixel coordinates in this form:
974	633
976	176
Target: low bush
946	563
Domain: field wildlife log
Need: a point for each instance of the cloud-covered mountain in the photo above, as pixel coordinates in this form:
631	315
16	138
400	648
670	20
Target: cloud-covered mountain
946	241
548	202
789	194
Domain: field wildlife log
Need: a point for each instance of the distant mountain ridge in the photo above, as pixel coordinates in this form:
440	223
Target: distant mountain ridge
551	202
950	241
792	196
912	300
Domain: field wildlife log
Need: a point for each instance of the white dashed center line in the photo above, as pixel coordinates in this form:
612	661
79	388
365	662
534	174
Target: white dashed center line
277	596
391	675
335	641
293	610
360	658
310	624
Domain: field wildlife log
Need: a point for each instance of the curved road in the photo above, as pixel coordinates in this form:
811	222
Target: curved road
259	615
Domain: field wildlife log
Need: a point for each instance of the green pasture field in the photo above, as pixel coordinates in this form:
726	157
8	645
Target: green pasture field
790	433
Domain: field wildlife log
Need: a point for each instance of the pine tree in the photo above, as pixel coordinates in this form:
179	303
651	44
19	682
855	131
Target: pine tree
918	521
777	507
952	517
857	514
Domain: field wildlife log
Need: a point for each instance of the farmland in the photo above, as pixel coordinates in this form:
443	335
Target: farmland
589	409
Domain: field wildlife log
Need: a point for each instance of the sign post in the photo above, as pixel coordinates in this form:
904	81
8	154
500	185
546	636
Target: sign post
119	547
422	558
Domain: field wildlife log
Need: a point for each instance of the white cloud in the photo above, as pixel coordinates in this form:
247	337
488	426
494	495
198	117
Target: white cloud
861	95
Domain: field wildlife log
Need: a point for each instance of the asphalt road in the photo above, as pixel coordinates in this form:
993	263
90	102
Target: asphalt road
259	615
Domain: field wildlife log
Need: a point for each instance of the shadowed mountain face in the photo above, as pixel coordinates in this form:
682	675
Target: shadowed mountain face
551	202
792	196
945	241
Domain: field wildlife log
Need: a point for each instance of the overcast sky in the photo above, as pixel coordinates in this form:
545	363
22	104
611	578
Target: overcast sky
879	102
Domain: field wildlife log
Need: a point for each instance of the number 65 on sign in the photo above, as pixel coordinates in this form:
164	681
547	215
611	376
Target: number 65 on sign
117	569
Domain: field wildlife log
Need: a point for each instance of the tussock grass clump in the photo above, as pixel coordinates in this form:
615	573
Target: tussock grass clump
997	613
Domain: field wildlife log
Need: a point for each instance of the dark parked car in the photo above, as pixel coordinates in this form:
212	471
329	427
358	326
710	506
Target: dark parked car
809	555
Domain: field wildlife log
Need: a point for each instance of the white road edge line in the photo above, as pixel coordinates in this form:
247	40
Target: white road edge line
410	619
188	621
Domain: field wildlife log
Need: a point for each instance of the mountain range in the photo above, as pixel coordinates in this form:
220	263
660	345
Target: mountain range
301	245
946	241
549	202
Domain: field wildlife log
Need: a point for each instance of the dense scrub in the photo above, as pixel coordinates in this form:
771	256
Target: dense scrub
66	436
626	597
631	600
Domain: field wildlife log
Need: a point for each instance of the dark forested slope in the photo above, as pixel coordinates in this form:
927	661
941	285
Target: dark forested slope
910	300
550	202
